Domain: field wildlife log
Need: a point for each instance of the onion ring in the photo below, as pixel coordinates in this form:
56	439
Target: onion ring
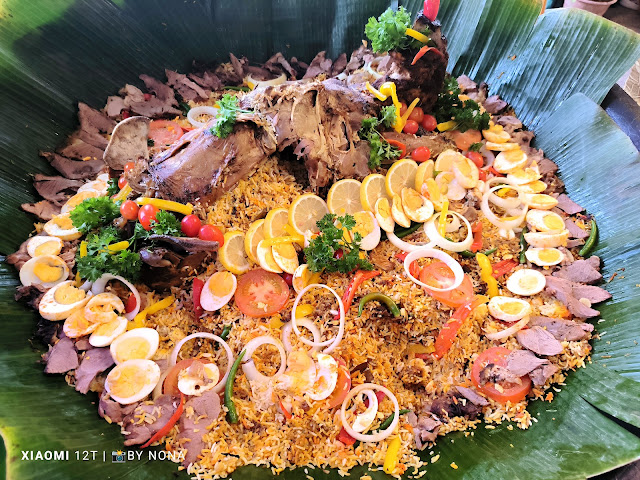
174	354
432	233
100	284
332	343
249	367
372	409
265	83
305	322
201	110
493	218
488	155
374	437
454	225
458	273
507	332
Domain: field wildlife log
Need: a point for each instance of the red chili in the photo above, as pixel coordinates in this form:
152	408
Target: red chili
131	304
349	294
421	53
476	229
495	172
399	145
286	412
449	332
431	8
198	285
167	428
345	438
503	267
414	268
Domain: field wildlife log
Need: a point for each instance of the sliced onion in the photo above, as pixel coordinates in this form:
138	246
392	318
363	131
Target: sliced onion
174	354
456	268
371	410
367	67
507	332
431	229
332	343
249	367
86	286
195	112
493	218
158	390
456	191
374	437
406	246
265	83
304	322
488	155
454	225
100	284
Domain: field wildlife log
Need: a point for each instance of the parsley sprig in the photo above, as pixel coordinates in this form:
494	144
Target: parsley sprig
466	113
387	32
93	213
228	109
99	260
321	252
381	150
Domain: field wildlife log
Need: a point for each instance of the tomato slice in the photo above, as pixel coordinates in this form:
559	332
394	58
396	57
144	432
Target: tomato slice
464	140
261	293
164	132
439	275
511	392
170	384
342	388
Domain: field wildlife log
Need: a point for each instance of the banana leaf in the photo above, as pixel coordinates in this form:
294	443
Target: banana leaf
554	69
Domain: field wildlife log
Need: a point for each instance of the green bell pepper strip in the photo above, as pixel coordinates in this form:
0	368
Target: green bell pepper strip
523	246
403	232
591	241
379	297
387	421
232	414
470	254
225	332
237	89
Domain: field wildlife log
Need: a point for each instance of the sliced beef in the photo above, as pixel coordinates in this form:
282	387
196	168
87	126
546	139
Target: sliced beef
187	89
435	143
206	408
82	344
568	293
561	329
19	258
68	254
567	205
574	243
522	362
466	84
277	64
524	139
581	271
471	214
320	64
339	65
46	331
452	406
208	80
114	106
30	294
78	149
471	395
425	428
62	357
546	166
509	122
55	189
539	341
161	409
494	104
93	124
112	411
574	230
185	244
590	292
94	361
162	103
128	143
72	168
492	373
44	209
298	66
540	375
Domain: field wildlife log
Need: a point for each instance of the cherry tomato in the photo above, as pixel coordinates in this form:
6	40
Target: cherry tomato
261	293
170	384
421	154
345	438
403	108
122	182
417	114
129	166
131	304
476	158
429	123
509	392
464	140
338	254
343	386
129	209
440	275
164	132
482	175
410	127
209	232
190	225
146	215
288	278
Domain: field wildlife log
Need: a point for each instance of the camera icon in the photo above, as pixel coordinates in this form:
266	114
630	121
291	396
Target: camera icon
118	457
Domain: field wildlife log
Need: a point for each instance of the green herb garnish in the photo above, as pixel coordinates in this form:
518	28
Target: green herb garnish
184	108
466	113
150	142
99	261
228	108
388	31
321	252
112	187
93	213
381	150
166	224
475	147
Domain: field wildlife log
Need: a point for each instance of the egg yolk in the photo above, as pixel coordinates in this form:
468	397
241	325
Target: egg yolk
132	348
47	272
107	329
125	382
384	209
47	248
412	201
537	186
76	325
528	282
78	198
511	308
364	224
543	200
548	255
553	223
68	294
222	284
63	221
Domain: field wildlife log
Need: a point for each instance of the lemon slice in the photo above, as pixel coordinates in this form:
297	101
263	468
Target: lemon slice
254	236
425	171
383	215
446	160
265	258
401	174
286	257
344	197
305	211
372	190
232	254
397	212
274	223
303	277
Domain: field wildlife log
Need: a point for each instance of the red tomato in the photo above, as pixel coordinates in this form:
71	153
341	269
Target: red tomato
288	278
190	225
146	215
464	140
399	145
338	254
421	154
129	166
476	158
482	175
511	392
131	304
122	182
170	384
431	8
410	127
345	438
403	108
440	275
417	114
261	293
210	232
129	209
164	132
342	388
429	123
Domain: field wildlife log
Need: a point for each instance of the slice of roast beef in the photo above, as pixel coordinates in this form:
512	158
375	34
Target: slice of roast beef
472	396
112	411
74	169
187	89
563	290
450	405
55	189
161	409
339	65
539	341
567	205
82	344
320	64
574	243
278	64
206	408
494	104
185	244
581	271
68	254
561	329
92	125
521	362
425	428
62	357
509	122
44	209
546	166
540	375
208	80
114	106
78	149
466	84
574	230
94	361
20	257
30	294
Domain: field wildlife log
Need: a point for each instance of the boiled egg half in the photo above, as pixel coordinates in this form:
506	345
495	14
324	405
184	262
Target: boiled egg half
62	227
44	245
218	291
286	257
368	228
526	282
45	270
139	343
547	240
383	215
76	325
544	257
545	221
326	377
106	333
132	380
198	378
417	208
62	300
508	309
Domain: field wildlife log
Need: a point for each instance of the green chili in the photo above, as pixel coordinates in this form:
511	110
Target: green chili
237	89
591	241
225	332
379	297
470	254
232	414
408	231
387	421
523	246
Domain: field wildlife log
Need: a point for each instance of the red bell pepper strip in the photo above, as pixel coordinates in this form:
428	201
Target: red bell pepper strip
345	438
476	229
503	267
169	425
131	304
286	412
399	145
494	171
198	285
482	175
349	294
431	8
421	53
414	268
449	332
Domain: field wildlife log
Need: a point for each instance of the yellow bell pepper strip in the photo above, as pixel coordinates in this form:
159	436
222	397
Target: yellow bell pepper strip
391	458
123	193
117	247
270	242
166	205
138	321
442	220
421	37
486	274
276	322
83	253
376	93
410	108
444	126
389	89
304	310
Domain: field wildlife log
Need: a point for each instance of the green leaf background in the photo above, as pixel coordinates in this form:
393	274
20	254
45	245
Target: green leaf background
554	69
